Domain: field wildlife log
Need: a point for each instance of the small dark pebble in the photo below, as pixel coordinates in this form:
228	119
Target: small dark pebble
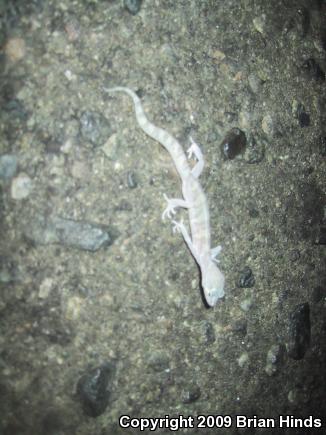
321	240
191	394
322	146
93	390
132	180
323	40
299	331
208	332
16	109
318	294
304	24
247	278
239	327
233	144
132	6
294	255
253	213
312	70
302	116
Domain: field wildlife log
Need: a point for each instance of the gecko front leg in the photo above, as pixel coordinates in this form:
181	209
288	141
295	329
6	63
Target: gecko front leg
180	228
173	203
194	150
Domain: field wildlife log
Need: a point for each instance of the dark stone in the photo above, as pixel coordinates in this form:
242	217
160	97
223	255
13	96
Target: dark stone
247	278
304	119
304	24
302	116
132	180
321	240
132	6
318	294
233	144
92	390
294	255
190	394
253	213
239	327
208	332
299	331
313	71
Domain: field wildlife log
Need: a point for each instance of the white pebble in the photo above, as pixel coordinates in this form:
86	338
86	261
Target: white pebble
21	186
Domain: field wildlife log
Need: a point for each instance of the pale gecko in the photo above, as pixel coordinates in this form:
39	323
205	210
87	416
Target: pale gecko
194	199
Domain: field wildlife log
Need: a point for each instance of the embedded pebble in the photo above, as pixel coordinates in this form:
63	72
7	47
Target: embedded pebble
255	83
94	127
267	125
260	23
15	49
190	394
158	362
45	288
318	294
243	359
321	238
21	186
239	327
8	166
93	389
274	359
80	170
233	144
80	235
255	151
132	6
111	147
299	331
247	303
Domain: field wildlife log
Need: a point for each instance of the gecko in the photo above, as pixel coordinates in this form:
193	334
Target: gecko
194	200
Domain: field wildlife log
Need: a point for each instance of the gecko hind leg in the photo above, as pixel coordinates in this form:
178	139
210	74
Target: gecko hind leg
194	150
172	204
181	228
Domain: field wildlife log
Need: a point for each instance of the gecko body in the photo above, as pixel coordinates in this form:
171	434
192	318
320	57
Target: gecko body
194	200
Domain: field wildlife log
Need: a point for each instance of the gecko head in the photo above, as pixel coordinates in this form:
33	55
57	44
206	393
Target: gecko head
212	283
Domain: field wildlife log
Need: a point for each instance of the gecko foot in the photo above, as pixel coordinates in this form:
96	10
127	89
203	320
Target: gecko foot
178	227
215	252
173	203
192	150
170	209
195	151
